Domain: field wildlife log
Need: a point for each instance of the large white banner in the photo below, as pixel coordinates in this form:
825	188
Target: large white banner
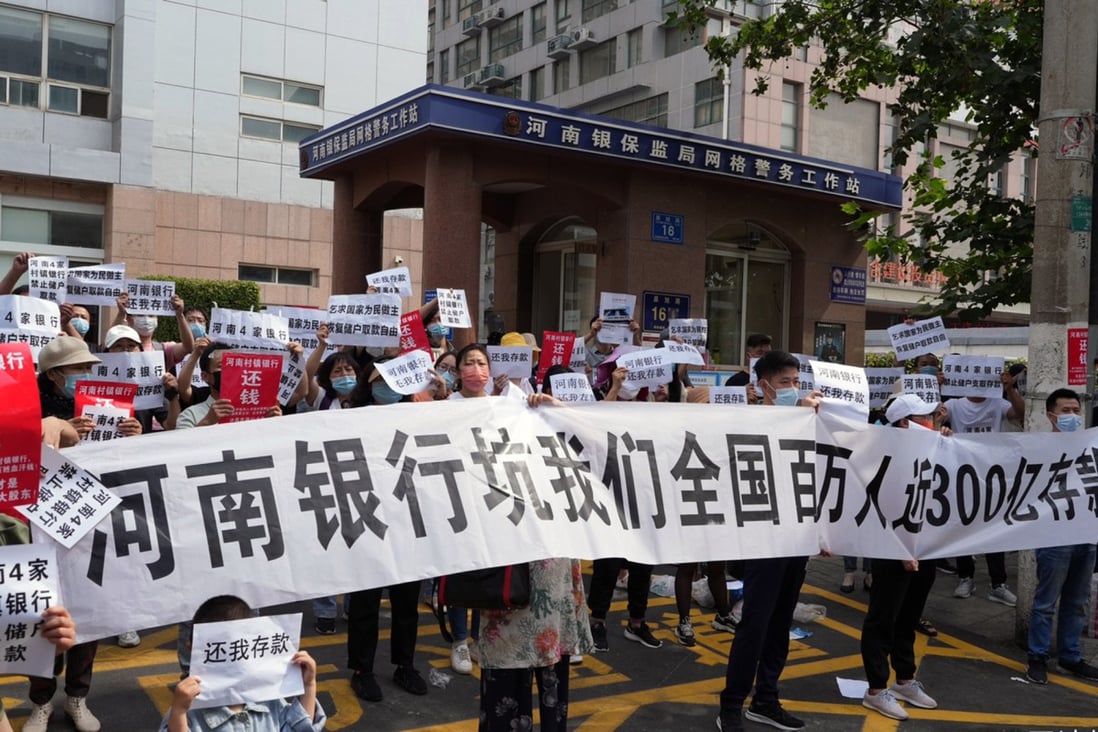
419	490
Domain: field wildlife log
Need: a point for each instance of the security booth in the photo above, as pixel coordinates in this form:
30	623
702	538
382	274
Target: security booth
751	238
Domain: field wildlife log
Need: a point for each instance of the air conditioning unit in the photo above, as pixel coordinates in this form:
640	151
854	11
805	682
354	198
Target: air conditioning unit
491	17
558	46
491	75
582	38
471	25
471	80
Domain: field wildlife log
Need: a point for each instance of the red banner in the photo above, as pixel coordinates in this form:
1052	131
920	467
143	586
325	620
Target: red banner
250	382
1077	357
105	394
413	335
556	348
20	429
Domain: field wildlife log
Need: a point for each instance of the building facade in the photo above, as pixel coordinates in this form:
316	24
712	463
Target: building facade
624	60
163	133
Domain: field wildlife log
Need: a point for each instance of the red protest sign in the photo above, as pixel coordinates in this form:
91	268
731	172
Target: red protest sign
20	428
556	348
105	394
413	335
250	382
1077	357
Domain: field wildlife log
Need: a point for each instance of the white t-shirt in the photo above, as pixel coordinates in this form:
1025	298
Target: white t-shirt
967	416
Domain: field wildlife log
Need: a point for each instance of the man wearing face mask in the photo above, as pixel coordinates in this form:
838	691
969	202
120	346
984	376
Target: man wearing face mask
196	321
145	325
1063	575
771	588
214	408
79	322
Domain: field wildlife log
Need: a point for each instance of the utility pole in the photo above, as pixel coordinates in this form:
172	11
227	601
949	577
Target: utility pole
1062	234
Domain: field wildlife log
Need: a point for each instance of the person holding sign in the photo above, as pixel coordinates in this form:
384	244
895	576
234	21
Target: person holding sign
276	715
771	588
896	601
331	380
62	362
145	325
1063	576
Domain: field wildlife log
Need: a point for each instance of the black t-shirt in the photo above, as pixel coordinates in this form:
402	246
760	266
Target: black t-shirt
740	379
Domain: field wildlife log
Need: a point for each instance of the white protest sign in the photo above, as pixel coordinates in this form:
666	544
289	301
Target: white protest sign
28	587
70	500
844	387
615	311
651	367
571	388
364	320
246	329
882	383
806	378
977	376
409	373
694	331
293	371
28	320
923	336
47	277
144	368
922	385
246	660
579	356
514	361
197	382
683	353
100	284
105	422
453	308
397	280
728	395
149	297
303	324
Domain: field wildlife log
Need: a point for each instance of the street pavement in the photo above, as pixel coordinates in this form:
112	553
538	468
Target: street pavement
973	668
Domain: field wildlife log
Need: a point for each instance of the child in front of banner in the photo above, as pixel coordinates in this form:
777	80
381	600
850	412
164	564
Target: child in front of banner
896	600
277	715
771	589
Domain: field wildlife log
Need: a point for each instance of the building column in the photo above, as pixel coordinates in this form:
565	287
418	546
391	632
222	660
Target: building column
451	229
356	241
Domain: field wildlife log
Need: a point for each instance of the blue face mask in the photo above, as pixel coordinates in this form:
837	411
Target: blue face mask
70	384
928	370
1068	422
787	397
344	384
383	394
436	330
80	325
198	330
449	378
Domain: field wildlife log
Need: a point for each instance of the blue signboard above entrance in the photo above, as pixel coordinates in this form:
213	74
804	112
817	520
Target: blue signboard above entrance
480	115
662	307
667	227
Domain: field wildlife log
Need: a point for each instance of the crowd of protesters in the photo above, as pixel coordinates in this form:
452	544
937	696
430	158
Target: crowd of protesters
507	645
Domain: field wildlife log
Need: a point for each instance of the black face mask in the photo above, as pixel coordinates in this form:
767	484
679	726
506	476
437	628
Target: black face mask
215	381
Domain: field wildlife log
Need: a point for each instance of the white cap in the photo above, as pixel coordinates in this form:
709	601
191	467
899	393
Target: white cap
907	405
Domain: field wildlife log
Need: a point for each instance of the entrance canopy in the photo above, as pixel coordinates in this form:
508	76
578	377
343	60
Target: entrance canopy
440	108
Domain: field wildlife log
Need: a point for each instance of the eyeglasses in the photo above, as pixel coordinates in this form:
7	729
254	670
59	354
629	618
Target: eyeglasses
443	368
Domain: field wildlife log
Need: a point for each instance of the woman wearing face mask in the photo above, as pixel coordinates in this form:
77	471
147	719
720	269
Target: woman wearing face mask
332	379
474	372
63	362
145	325
443	382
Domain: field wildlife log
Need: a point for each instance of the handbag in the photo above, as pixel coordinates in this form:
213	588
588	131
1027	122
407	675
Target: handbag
496	588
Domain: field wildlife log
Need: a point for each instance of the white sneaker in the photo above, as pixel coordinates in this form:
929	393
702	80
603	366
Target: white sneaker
965	588
1003	596
460	660
129	639
885	703
914	693
39	718
76	708
575	658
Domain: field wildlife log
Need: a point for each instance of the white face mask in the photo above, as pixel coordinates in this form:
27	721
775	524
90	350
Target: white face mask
628	392
144	324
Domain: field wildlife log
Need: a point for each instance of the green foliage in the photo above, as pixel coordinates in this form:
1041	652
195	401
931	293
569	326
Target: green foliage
980	56
204	293
880	360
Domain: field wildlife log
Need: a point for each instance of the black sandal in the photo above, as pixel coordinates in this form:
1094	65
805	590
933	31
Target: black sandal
926	627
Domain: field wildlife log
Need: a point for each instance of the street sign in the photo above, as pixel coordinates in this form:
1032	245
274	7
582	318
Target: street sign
662	307
667	227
